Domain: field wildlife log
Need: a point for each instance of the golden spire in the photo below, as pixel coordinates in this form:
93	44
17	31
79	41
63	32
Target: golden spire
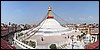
49	9
50	12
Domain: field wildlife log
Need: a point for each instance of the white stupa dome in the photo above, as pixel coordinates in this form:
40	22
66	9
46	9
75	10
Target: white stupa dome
50	23
50	26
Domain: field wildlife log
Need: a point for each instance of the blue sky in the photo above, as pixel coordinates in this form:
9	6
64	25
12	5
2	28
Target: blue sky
32	12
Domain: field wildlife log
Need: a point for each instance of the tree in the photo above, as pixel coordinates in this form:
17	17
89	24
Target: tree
53	46
84	24
9	23
32	43
26	42
23	41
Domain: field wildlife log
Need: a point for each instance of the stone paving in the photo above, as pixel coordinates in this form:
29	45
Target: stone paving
47	40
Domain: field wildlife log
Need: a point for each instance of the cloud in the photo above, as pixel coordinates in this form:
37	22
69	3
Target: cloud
91	17
71	18
86	18
82	19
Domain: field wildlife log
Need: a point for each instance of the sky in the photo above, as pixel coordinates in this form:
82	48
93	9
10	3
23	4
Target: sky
32	12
